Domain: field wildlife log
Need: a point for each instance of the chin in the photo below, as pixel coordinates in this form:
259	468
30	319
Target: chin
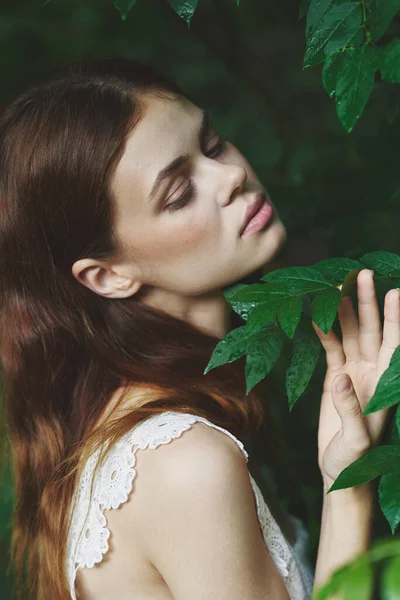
275	239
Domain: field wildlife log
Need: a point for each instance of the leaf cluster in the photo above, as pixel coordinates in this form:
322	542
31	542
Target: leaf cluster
346	37
278	308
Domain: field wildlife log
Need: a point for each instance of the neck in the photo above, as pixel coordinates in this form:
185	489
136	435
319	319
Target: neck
210	313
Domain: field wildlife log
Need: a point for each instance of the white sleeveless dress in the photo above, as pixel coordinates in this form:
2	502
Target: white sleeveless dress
88	541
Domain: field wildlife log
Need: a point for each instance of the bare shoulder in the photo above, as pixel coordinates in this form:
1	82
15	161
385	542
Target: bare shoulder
196	464
194	512
201	455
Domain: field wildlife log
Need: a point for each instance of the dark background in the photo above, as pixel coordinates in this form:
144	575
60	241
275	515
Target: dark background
337	193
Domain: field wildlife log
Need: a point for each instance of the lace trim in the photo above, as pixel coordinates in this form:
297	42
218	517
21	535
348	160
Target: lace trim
88	536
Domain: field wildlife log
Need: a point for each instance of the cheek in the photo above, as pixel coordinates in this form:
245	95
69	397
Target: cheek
197	234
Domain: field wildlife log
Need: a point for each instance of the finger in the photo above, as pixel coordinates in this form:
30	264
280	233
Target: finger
354	429
370	328
391	330
335	357
349	325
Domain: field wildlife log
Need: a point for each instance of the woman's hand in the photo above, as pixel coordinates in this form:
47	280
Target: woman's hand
344	435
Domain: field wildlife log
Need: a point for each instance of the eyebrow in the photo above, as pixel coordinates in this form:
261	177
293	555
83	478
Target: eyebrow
178	162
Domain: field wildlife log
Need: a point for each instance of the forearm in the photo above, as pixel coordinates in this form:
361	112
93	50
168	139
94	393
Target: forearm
345	529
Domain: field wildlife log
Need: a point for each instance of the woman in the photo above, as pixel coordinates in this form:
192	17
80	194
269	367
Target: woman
123	216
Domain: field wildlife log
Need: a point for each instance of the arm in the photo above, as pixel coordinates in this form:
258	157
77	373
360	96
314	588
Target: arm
345	434
198	522
345	529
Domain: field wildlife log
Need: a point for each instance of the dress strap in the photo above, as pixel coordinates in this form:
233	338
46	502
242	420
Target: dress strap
164	427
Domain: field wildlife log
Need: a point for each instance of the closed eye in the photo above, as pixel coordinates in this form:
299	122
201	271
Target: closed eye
190	191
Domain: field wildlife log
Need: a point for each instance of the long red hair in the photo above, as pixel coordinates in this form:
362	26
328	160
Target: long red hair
64	349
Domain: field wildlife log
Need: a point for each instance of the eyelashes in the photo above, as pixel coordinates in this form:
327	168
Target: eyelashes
185	198
191	189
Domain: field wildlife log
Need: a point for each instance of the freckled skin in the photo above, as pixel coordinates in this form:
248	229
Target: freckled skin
185	283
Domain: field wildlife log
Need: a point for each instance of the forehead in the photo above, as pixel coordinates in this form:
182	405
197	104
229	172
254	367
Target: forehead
162	132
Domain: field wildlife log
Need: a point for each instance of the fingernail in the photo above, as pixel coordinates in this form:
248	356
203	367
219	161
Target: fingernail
343	383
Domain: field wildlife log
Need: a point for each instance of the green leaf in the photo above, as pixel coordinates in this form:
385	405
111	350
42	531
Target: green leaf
316	12
382	12
306	349
324	308
289	314
241	308
263	314
389	497
358	580
333	586
337	269
387	390
124	6
386	264
298	280
354	84
381	550
337	28
390	584
398	419
260	292
375	462
350	282
184	8
332	66
262	354
229	349
389	62
384	549
393	436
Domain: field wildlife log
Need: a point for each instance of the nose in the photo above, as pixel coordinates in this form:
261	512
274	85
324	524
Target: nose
237	177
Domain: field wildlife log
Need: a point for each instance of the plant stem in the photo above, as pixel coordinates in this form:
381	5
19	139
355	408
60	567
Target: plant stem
368	38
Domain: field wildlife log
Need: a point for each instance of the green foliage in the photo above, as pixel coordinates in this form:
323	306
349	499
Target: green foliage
389	496
340	34
306	350
391	580
398	419
354	581
337	269
386	264
263	351
124	6
289	314
277	307
382	12
358	583
184	8
324	308
232	347
387	390
336	29
279	303
374	463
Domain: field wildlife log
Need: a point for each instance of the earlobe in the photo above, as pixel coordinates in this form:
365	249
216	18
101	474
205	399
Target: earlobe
129	285
102	280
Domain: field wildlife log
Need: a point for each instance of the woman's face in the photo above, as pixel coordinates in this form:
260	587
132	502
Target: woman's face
183	236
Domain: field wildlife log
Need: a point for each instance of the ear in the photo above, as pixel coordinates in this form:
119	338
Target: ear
104	280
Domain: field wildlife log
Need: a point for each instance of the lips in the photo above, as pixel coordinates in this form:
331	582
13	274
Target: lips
253	209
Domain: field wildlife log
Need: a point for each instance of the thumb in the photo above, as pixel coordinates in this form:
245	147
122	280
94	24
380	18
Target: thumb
354	428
